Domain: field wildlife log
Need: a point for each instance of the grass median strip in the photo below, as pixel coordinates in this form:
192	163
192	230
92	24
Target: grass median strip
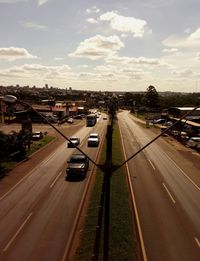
36	145
122	239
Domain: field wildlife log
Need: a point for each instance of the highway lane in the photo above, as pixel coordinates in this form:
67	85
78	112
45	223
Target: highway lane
167	201
37	215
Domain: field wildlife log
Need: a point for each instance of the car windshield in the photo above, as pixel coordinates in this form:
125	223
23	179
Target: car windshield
94	135
74	138
77	160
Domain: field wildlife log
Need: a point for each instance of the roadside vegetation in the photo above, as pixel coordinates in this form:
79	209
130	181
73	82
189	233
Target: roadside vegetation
122	239
36	145
16	147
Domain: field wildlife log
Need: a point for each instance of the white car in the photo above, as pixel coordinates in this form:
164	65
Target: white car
193	142
37	135
93	140
70	120
74	141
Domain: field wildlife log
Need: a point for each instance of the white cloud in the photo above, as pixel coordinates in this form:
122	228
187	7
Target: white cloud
34	26
36	71
98	47
14	53
84	66
43	68
184	73
187	30
92	9
91	21
198	56
136	27
170	50
42	2
132	60
120	71
190	41
195	36
59	58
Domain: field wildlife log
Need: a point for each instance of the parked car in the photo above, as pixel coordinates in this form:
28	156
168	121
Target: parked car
70	120
193	142
184	136
159	121
74	141
37	135
77	166
79	117
175	133
93	140
169	123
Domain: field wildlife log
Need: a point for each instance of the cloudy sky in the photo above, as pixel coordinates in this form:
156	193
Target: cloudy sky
107	45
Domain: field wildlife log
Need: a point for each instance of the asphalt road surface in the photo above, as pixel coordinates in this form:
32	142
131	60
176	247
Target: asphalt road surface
38	213
167	196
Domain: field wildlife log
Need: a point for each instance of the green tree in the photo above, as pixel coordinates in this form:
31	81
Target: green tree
151	97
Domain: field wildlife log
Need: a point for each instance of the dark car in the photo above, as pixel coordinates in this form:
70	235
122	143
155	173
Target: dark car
77	166
79	117
75	141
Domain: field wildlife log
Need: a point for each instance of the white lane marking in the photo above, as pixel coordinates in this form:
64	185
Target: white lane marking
184	173
197	241
186	176
169	193
53	183
134	205
17	184
16	234
25	177
152	165
49	158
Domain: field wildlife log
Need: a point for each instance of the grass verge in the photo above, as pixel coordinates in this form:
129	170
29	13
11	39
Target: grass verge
36	145
122	239
9	165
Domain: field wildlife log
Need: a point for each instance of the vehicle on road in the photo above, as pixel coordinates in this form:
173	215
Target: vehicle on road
91	120
93	140
193	142
37	135
77	166
74	141
79	117
70	120
159	121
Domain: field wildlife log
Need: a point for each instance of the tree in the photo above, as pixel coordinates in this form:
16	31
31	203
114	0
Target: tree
151	97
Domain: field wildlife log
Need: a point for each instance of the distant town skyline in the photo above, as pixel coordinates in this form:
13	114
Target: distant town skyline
101	45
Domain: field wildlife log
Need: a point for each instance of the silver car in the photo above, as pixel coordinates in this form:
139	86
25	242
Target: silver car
93	140
193	142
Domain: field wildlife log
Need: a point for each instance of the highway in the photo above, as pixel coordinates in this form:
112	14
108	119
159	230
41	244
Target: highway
37	215
167	199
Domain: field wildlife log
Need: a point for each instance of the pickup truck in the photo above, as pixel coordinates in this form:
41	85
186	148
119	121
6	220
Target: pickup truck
77	166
